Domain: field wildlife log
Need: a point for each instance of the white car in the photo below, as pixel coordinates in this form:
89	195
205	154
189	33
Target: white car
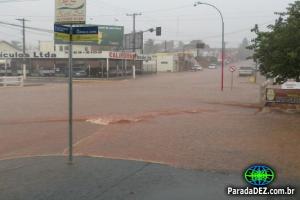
197	68
212	66
246	71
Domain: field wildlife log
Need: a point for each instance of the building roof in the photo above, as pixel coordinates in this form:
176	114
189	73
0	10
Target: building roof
9	44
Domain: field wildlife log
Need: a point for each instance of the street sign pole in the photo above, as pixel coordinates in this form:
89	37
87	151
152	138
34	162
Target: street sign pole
231	80
69	13
70	98
232	70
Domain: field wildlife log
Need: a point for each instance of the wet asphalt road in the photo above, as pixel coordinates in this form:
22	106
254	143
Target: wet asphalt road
180	119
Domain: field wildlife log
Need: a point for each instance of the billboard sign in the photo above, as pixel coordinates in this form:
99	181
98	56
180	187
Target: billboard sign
61	33
128	41
70	11
291	85
85	34
101	35
110	35
286	96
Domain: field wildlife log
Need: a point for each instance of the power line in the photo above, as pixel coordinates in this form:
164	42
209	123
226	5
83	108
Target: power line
28	27
12	1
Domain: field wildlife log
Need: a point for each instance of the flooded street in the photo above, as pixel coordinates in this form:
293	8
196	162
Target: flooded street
179	119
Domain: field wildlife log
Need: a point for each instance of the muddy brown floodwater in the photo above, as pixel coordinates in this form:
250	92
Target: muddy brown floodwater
180	119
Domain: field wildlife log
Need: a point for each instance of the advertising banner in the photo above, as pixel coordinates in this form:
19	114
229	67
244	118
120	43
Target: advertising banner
70	11
287	96
61	34
110	35
86	34
128	41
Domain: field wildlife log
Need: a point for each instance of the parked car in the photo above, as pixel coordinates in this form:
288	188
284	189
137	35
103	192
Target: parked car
6	72
212	66
197	68
61	71
46	72
79	72
246	71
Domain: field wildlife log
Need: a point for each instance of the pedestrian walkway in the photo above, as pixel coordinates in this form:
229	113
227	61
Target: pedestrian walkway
51	178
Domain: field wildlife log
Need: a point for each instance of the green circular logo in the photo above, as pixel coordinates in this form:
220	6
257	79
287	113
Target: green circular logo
259	175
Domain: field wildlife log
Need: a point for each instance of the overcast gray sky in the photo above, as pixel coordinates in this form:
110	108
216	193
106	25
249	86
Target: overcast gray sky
178	18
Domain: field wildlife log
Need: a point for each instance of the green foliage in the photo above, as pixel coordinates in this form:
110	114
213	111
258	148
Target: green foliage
277	51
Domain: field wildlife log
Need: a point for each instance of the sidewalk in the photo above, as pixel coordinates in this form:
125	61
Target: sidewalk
50	178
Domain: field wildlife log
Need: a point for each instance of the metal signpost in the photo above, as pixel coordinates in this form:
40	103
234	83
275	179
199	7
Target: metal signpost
232	70
70	98
69	12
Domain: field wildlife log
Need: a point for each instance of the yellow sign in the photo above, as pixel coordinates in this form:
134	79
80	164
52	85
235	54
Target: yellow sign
85	38
252	79
62	37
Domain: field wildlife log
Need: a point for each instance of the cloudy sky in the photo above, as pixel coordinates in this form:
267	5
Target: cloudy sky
179	19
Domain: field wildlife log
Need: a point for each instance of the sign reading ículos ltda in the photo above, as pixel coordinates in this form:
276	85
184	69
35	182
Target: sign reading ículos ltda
5	55
76	54
70	11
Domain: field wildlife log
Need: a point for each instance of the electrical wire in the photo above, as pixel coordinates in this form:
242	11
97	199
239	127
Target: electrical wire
12	1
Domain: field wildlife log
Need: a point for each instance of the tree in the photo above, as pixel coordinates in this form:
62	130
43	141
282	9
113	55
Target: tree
180	45
149	46
193	44
278	51
243	51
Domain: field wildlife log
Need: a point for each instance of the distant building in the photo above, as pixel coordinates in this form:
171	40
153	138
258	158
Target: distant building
172	62
8	47
49	46
54	58
167	62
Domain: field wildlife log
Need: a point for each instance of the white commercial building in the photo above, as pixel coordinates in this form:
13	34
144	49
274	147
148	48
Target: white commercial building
167	62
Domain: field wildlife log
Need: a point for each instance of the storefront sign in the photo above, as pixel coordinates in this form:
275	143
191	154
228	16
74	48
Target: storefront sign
291	85
286	96
27	55
122	55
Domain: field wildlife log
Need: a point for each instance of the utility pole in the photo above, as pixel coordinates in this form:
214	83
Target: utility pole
165	45
24	46
133	15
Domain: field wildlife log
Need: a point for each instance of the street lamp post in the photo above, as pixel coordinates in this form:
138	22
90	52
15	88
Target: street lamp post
223	43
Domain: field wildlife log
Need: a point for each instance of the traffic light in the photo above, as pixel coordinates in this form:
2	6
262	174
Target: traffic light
158	31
